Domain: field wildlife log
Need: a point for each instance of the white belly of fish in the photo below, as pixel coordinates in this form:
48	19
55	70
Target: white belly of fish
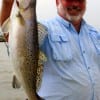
17	45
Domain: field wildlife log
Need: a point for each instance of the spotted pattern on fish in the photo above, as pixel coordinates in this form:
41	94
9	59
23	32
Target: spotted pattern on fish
42	32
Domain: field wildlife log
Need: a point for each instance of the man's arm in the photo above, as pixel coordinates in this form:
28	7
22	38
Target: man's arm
5	10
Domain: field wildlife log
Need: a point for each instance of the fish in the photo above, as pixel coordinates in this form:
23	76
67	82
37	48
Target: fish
24	46
42	32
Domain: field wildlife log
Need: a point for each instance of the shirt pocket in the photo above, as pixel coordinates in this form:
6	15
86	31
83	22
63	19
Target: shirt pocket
61	50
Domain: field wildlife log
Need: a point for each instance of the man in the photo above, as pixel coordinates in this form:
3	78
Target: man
72	71
72	47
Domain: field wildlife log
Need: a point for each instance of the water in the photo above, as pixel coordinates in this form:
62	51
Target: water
6	72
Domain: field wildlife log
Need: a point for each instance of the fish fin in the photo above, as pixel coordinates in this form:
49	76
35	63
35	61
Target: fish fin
15	82
42	32
42	59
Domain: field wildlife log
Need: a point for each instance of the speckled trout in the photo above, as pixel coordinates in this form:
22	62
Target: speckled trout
23	44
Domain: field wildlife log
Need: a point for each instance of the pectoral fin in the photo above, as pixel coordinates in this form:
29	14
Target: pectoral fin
15	82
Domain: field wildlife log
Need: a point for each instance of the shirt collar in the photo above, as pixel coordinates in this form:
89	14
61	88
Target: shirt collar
67	23
63	21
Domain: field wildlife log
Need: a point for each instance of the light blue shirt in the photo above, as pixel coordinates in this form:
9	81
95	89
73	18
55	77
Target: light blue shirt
72	69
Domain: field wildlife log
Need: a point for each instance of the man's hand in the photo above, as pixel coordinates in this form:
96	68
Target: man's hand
5	10
6	36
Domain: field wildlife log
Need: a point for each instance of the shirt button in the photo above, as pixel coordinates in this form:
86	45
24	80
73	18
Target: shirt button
88	67
83	51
